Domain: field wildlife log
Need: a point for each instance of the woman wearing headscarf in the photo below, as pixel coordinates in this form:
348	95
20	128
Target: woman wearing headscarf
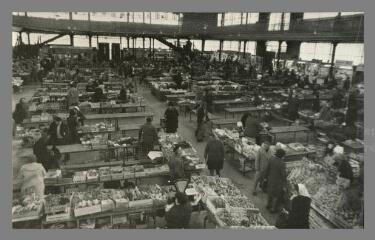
73	123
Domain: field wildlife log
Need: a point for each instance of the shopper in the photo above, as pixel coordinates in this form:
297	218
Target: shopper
73	95
299	208
98	96
214	155
40	149
208	100
262	159
80	115
316	101
73	123
252	128
58	131
344	167
200	117
32	175
123	96
293	107
178	80
276	180
21	111
325	113
177	214
171	118
176	166
148	136
337	99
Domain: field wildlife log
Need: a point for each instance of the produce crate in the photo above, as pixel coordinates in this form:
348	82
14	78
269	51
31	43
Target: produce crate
104	178
36	214
107	205
129	175
121	203
117	176
141	203
56	208
62	216
87	210
119	219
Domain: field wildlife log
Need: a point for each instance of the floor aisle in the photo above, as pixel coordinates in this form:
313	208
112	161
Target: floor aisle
186	130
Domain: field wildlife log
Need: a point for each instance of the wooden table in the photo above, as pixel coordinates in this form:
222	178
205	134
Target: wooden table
218	123
288	129
229	103
118	118
245	110
210	115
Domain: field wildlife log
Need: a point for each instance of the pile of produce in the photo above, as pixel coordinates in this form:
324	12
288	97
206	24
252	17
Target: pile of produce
29	205
239	202
56	202
311	174
336	202
241	218
99	127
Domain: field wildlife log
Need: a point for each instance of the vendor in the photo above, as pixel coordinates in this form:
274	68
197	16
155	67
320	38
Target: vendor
57	131
99	95
344	167
32	176
148	136
325	113
316	101
214	155
21	111
176	165
293	107
252	128
123	96
73	124
73	95
177	214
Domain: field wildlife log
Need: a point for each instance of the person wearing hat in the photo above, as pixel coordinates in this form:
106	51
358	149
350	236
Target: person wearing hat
81	117
57	131
98	95
40	149
276	180
343	166
21	111
31	176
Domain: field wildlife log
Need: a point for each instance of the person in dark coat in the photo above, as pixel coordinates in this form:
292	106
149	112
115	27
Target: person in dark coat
244	119
58	131
208	99
325	113
252	128
351	113
214	155
344	167
21	111
316	101
98	96
171	119
276	180
123	97
148	136
177	215
337	99
293	107
73	123
178	80
200	117
299	209
346	84
41	151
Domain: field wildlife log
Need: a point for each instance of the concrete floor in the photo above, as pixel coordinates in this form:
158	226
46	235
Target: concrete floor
186	130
